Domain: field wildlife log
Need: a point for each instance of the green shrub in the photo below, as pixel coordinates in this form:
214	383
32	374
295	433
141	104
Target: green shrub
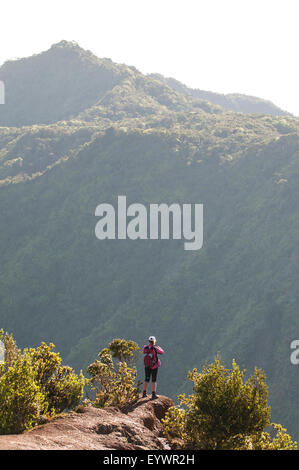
225	412
33	383
124	350
21	400
62	388
115	381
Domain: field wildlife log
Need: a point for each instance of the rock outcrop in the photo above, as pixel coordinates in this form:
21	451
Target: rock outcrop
137	426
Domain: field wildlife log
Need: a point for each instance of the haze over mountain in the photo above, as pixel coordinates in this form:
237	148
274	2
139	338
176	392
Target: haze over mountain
232	101
66	80
77	131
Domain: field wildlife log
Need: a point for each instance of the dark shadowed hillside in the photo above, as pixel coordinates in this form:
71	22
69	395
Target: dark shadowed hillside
87	130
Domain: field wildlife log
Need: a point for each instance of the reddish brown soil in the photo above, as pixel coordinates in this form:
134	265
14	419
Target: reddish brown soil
136	426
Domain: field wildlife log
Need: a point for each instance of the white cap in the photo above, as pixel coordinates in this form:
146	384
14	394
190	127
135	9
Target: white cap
152	338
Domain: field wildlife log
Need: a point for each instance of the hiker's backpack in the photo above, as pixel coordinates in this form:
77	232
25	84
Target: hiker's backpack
150	357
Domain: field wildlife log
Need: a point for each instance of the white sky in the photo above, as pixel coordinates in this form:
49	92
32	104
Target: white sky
242	46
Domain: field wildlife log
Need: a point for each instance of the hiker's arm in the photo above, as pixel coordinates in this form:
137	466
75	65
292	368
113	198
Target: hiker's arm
159	350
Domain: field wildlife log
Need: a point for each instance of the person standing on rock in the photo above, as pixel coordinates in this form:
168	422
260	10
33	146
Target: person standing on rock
151	365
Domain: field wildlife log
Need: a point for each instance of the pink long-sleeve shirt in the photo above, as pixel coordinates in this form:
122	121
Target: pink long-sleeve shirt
159	351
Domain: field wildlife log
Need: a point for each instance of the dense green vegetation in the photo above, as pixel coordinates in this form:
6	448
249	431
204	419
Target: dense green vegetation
35	387
125	133
225	412
114	374
33	383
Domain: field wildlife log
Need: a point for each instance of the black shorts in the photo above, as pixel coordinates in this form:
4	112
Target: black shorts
149	372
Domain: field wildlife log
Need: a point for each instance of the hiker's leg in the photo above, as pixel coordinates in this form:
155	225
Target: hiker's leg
154	379
147	371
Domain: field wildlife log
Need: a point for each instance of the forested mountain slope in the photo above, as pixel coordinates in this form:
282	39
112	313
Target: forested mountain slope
231	101
65	148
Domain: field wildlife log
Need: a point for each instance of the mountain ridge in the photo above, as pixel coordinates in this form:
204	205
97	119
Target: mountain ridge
237	102
64	81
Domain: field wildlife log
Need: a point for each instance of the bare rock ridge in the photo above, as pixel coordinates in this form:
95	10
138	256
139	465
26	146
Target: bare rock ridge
137	426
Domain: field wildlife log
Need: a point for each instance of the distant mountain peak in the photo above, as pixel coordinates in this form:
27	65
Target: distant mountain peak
68	82
65	43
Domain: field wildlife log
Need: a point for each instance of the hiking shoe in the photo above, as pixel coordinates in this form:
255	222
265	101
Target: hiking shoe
154	396
144	394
